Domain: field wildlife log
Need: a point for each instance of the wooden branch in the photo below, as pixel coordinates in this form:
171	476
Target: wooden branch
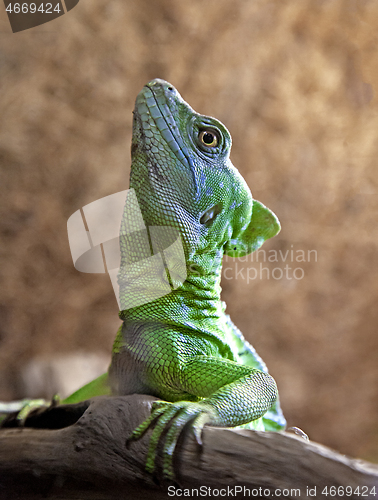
90	459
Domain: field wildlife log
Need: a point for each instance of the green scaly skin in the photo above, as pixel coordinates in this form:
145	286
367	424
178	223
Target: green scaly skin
182	347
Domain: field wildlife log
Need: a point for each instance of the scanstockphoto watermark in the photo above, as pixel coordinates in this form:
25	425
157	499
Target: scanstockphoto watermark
269	264
235	491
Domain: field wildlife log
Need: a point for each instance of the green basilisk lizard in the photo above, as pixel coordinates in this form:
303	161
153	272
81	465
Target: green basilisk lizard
182	347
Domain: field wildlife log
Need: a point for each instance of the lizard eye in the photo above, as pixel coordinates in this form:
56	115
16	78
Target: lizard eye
209	138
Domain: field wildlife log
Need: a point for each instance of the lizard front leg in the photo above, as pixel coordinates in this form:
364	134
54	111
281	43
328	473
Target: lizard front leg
230	394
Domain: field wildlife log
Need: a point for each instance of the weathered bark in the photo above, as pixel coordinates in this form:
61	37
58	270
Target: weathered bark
90	459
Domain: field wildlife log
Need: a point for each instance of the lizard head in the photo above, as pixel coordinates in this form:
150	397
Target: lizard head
183	177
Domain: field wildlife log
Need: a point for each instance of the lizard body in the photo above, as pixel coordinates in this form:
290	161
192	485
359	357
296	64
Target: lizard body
182	347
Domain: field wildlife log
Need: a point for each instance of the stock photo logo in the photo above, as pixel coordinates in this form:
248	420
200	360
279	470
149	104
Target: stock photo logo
288	264
28	14
109	236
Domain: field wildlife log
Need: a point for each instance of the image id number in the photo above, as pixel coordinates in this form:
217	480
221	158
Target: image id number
25	8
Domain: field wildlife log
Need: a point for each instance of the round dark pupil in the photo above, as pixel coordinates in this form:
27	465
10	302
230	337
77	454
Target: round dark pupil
208	138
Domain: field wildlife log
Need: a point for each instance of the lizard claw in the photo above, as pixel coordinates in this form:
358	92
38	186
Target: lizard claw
198	426
23	408
35	404
30	405
143	427
170	419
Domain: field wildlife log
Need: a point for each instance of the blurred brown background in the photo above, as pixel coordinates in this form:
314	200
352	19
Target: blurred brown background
296	83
